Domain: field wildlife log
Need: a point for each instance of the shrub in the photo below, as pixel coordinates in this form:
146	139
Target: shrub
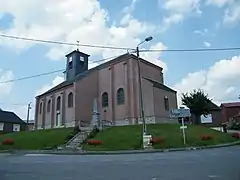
94	142
8	141
236	135
156	140
206	137
93	133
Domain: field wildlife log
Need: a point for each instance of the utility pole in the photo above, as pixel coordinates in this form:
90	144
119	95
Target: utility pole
28	112
140	85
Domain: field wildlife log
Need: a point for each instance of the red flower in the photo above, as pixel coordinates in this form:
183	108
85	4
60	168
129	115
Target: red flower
206	137
156	140
236	135
94	142
7	141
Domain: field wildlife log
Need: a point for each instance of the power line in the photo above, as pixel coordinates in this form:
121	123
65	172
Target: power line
51	72
191	50
119	48
64	43
30	77
14	104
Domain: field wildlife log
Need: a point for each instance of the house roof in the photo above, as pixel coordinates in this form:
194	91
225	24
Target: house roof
11	117
160	85
213	106
232	104
101	66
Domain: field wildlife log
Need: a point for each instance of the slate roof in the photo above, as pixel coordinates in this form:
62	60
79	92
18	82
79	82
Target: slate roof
11	117
160	85
101	66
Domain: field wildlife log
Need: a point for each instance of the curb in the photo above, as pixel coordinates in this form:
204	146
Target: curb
80	152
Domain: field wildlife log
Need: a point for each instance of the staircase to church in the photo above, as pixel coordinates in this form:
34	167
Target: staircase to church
76	141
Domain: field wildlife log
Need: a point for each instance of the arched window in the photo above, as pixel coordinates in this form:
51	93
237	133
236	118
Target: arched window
70	100
166	103
49	106
105	99
40	108
58	103
120	96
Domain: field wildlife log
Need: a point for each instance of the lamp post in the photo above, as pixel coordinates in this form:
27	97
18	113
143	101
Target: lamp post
147	39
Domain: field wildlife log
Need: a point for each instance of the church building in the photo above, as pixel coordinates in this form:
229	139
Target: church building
114	89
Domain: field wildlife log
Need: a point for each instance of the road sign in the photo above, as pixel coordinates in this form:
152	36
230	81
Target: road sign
177	113
183	127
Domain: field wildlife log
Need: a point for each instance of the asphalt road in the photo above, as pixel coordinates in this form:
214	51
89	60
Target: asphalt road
209	164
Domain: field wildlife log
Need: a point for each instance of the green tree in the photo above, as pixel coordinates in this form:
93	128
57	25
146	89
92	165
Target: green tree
198	102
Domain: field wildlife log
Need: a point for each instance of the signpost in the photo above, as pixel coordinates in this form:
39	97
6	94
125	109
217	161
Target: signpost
181	113
146	141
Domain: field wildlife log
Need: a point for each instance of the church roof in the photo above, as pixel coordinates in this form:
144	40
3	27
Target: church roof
66	83
101	66
160	85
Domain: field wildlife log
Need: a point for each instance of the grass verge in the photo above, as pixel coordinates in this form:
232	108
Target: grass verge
36	140
129	137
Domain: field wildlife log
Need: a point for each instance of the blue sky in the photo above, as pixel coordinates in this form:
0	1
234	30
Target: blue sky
174	25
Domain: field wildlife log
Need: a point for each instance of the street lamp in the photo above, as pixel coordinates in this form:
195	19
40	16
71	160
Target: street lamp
147	39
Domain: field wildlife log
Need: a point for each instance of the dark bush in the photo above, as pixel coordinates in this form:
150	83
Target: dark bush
93	133
236	126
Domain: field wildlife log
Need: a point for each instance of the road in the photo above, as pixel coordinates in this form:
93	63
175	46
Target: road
208	164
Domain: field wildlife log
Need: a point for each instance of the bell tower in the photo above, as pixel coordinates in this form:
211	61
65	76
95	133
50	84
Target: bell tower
77	63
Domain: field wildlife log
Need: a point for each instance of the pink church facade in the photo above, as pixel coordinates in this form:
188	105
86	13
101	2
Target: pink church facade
114	85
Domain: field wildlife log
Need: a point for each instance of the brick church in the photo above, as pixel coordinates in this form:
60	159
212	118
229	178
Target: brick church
113	86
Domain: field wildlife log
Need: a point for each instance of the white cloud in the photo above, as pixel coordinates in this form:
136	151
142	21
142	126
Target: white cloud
232	14
178	11
171	20
220	81
207	44
154	57
5	88
203	32
218	3
57	80
180	7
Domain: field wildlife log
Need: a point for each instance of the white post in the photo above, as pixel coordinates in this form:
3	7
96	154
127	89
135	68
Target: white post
183	129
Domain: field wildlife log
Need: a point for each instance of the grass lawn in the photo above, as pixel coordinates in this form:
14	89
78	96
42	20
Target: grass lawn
40	139
129	137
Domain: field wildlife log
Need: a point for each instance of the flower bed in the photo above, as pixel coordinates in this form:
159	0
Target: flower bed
236	135
94	142
206	137
156	140
8	141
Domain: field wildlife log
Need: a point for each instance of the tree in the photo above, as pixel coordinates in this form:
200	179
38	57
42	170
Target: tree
198	102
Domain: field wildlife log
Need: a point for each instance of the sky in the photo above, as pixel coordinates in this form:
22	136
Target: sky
174	24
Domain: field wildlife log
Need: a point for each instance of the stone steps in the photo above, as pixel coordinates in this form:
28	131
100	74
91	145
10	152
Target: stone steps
78	139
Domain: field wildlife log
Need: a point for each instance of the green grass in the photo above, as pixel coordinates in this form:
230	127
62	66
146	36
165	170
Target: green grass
40	139
129	137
